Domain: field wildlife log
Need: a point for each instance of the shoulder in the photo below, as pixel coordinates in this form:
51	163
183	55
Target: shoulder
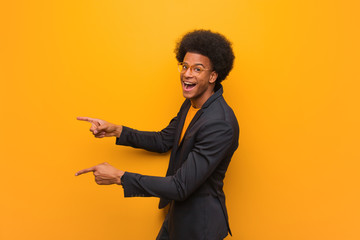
219	116
219	110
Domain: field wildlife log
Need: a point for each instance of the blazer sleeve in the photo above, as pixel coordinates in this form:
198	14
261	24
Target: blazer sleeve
152	141
212	145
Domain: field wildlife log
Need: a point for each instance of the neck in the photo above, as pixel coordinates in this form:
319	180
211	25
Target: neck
198	102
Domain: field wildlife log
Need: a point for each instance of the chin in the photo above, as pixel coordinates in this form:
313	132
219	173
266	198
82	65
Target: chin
187	95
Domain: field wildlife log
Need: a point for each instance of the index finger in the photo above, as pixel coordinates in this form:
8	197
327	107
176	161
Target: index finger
84	119
86	170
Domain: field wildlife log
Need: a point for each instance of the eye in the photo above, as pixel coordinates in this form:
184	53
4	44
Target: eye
197	69
185	66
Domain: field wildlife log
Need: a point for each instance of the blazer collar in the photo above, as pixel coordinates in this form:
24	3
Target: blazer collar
218	93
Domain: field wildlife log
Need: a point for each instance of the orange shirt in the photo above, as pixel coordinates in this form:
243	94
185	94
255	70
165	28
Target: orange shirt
189	116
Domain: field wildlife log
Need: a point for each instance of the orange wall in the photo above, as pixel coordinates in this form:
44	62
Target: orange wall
294	89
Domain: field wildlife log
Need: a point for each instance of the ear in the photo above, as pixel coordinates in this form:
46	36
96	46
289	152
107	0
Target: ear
213	77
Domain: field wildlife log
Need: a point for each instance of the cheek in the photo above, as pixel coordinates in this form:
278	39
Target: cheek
204	81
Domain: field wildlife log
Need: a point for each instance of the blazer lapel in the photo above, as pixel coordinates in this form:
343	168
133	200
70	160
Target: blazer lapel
182	115
193	121
181	125
185	108
218	93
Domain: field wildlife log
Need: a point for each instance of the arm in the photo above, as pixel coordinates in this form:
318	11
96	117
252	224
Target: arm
152	141
214	143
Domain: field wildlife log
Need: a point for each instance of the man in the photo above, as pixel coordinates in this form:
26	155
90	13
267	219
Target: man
202	138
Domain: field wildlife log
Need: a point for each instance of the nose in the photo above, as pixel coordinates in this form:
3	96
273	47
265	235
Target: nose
188	73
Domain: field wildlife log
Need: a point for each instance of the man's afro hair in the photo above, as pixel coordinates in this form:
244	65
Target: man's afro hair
212	45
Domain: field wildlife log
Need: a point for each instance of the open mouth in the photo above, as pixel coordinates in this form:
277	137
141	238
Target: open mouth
188	86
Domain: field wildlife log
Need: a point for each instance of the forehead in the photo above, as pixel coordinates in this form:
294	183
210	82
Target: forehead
196	58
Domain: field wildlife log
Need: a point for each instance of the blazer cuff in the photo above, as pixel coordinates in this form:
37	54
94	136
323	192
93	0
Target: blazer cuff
121	140
127	182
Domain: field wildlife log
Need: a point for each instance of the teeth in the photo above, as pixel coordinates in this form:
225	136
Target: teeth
189	83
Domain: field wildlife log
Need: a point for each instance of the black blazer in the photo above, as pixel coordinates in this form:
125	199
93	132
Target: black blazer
197	167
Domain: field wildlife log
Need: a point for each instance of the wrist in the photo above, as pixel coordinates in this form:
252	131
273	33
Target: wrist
119	177
118	130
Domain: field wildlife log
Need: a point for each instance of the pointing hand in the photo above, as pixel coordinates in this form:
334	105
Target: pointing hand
104	173
101	128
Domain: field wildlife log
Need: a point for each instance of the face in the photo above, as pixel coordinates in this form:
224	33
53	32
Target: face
198	88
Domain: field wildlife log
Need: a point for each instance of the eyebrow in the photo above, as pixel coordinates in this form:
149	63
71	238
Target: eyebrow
196	64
